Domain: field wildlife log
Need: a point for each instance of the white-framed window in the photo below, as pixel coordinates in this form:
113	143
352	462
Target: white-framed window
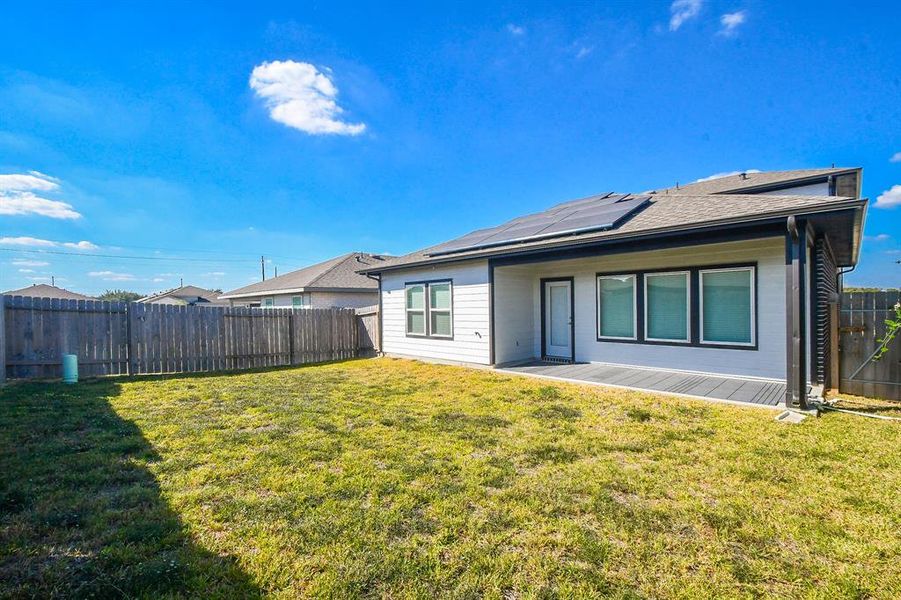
415	301
268	302
727	310
429	309
300	301
667	316
440	321
617	307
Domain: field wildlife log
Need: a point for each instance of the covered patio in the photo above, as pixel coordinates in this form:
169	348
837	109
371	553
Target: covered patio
758	392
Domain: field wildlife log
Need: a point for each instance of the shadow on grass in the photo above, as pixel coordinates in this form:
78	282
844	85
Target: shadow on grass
80	513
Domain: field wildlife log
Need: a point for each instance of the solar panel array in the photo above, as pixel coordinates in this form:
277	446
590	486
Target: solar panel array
596	213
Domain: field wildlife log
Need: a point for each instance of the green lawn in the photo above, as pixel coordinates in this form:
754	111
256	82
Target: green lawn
395	479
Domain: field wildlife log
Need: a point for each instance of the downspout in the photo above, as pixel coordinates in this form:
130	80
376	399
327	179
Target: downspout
795	391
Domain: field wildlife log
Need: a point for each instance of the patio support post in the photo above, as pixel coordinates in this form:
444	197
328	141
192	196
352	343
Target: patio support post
795	317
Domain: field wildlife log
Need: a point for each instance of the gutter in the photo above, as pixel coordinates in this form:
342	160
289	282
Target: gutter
774	217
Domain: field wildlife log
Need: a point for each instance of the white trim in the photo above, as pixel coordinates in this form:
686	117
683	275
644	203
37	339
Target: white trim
751	288
634	278
687	339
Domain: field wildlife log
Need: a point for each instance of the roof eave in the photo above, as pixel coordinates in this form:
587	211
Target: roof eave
789	183
836	206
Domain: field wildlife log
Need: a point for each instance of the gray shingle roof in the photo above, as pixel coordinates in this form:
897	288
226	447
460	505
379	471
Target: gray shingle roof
42	290
665	213
750	181
339	273
189	294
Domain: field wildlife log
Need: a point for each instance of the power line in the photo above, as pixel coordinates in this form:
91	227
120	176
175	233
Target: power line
131	257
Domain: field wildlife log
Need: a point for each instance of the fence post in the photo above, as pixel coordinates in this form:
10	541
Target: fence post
129	343
2	339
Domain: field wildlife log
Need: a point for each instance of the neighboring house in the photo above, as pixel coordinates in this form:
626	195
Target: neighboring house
730	276
333	283
185	295
42	290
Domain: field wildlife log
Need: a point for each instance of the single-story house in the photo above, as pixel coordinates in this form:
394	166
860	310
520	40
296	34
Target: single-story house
727	278
42	290
185	295
334	283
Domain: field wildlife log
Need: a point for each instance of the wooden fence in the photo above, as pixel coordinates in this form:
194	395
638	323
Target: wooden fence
117	338
368	330
861	324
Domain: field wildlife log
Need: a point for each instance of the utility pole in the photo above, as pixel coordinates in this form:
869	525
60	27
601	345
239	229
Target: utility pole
263	266
53	281
276	270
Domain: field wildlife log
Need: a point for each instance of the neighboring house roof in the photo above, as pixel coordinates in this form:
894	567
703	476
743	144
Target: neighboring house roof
752	182
42	290
337	274
665	213
186	294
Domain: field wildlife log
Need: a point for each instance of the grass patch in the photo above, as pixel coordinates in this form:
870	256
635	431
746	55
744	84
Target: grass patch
397	479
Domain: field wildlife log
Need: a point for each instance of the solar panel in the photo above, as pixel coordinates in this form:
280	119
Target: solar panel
595	213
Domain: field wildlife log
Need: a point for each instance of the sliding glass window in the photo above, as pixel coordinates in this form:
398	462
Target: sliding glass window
617	299
416	309
727	306
429	309
666	307
440	324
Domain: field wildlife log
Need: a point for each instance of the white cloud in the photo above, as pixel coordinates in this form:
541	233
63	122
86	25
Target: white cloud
584	51
896	157
18	197
515	29
30	263
729	22
26	270
298	95
112	276
39	243
880	237
41	278
890	198
157	280
214	274
726	174
682	11
82	245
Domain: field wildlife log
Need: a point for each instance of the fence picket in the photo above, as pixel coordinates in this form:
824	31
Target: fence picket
116	338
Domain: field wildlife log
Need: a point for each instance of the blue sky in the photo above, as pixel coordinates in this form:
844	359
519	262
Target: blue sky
164	140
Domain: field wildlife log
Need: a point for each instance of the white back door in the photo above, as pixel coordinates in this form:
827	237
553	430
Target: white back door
558	319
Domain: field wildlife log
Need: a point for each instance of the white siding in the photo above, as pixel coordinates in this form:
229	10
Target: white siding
470	304
319	299
513	316
343	299
767	361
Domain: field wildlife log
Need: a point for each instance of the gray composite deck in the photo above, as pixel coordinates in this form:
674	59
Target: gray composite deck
767	393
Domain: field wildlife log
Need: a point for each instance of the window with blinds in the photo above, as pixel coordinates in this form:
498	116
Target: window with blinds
727	306
617	298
